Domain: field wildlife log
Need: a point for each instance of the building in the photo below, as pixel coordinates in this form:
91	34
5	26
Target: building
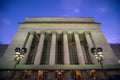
59	48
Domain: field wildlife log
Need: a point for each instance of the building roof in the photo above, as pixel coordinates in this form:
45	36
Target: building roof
60	19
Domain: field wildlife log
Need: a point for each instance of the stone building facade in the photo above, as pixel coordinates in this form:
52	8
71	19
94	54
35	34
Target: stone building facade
60	45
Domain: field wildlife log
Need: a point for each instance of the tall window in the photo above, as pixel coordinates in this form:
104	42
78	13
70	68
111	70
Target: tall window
85	50
59	49
33	49
72	49
46	50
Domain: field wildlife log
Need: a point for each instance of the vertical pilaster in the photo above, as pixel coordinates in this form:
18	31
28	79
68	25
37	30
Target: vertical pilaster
79	49
53	49
66	49
39	49
90	45
28	46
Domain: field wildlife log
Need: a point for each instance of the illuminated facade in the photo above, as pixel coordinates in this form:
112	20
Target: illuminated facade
59	48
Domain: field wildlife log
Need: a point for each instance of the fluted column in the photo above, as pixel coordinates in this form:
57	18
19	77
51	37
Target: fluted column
53	49
39	49
79	49
90	45
28	46
66	49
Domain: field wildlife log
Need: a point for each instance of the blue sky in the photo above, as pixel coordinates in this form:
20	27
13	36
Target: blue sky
104	11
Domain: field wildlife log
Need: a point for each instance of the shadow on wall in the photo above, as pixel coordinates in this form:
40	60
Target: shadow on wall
3	48
116	49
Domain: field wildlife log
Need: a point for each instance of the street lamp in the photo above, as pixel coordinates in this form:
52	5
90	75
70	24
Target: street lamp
18	56
98	53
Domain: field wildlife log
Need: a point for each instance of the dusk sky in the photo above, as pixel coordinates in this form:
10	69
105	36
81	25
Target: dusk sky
107	12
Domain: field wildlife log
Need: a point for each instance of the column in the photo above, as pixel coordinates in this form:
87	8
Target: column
79	49
39	49
65	48
90	45
53	49
28	46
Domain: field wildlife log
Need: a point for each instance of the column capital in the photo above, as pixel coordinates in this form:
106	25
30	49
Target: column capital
42	32
87	32
54	32
75	32
32	32
65	32
39	32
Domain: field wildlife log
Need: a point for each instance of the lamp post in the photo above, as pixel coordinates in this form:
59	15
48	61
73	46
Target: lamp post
98	53
18	56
